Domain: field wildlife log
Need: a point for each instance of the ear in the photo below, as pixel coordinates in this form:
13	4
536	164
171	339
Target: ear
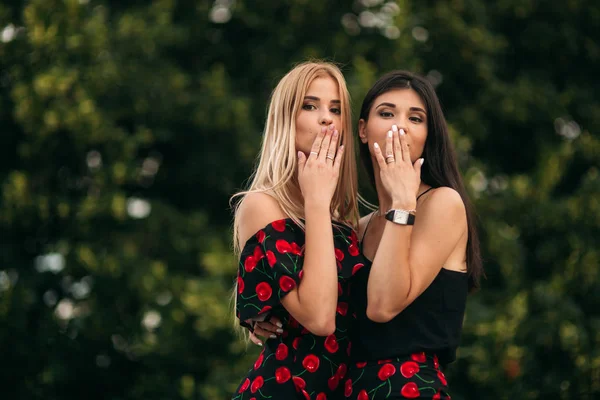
362	130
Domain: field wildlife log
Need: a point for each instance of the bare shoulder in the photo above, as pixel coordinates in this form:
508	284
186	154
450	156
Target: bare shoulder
444	201
256	211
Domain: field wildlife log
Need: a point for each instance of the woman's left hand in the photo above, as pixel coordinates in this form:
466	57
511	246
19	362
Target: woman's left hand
399	176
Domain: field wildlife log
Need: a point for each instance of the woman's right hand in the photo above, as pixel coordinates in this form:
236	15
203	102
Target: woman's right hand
318	174
267	329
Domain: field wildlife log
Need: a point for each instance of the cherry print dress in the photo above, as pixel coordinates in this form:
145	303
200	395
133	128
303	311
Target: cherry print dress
298	364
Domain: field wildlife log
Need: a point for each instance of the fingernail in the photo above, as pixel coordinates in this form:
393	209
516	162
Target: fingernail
273	337
402	131
394	128
279	331
422	161
390	133
376	145
335	133
299	154
323	129
279	324
260	343
331	127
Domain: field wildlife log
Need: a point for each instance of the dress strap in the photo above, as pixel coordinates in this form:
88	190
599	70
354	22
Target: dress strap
365	231
424	192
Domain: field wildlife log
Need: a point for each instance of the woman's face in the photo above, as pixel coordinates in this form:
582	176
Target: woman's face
321	107
403	108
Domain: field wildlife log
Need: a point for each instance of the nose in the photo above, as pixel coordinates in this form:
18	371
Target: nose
325	118
401	124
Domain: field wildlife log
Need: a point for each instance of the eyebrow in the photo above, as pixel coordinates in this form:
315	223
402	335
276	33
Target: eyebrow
392	105
318	99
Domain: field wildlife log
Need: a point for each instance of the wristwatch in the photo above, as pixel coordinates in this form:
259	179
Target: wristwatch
400	217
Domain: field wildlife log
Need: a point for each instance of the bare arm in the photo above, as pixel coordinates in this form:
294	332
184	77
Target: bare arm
313	302
409	258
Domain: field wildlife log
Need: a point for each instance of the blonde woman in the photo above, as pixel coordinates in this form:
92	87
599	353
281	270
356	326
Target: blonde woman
294	232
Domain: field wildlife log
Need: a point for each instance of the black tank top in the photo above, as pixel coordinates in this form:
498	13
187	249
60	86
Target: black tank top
432	323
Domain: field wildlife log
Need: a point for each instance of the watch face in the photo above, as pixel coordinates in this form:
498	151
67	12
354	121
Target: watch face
400	217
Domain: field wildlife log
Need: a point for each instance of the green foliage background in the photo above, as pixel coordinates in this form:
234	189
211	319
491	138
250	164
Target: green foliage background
126	125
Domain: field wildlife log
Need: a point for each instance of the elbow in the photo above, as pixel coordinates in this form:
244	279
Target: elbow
381	314
324	326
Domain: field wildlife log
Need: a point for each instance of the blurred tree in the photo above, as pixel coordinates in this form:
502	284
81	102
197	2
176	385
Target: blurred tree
126	126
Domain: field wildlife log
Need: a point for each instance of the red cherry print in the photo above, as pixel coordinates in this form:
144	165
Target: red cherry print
353	250
409	369
271	259
279	225
260	236
311	363
264	309
361	364
264	291
437	396
442	378
331	344
240	285
362	395
286	283
321	396
282	352
419	357
348	388
295	249
257	384
339	255
282	375
342	308
250	263
299	383
386	371
410	390
341	371
357	267
244	386
388	360
283	246
333	382
296	343
259	360
436	362
306	395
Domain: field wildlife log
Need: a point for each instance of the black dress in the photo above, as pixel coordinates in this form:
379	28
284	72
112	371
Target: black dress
404	358
298	364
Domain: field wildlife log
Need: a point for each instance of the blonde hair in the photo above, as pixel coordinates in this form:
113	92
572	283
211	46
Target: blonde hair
276	174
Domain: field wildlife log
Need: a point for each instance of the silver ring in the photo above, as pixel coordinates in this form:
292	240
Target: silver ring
330	157
315	153
390	159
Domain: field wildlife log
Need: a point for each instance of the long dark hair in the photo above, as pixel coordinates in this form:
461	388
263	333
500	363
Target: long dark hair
441	167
